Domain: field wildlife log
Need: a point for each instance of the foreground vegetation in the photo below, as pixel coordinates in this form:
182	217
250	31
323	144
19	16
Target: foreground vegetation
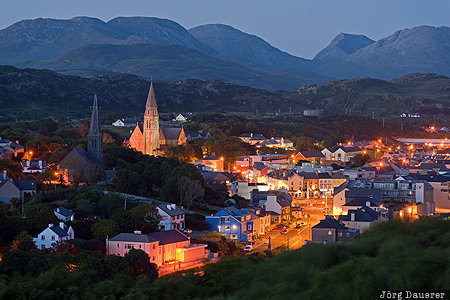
393	256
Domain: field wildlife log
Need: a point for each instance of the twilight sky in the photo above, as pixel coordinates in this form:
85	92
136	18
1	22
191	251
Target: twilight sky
300	27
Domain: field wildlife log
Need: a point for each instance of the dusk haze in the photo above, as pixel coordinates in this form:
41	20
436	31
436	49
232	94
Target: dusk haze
224	149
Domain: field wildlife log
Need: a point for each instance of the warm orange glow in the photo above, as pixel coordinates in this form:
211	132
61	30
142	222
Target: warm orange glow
381	164
404	161
364	151
378	150
398	147
292	155
221	158
31	152
379	141
410	210
56	173
401	214
349	143
390	149
411	147
432	128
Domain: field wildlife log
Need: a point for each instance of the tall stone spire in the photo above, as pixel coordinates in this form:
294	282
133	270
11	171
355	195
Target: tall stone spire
151	124
95	137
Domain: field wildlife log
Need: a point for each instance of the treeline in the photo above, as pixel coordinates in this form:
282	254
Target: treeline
392	256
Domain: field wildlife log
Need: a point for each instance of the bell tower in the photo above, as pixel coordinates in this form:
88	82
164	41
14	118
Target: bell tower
151	124
95	137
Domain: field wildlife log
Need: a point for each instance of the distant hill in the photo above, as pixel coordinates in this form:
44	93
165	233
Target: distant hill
48	39
420	49
343	45
166	62
125	94
244	48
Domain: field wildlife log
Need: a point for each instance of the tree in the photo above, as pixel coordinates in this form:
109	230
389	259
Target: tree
140	264
38	217
12	168
189	191
116	265
105	228
148	215
23	242
14	261
109	203
69	247
229	247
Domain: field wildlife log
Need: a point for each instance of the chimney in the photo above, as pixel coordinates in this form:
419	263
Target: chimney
169	207
251	134
61	224
137	232
57	210
352	217
50	225
368	203
4	175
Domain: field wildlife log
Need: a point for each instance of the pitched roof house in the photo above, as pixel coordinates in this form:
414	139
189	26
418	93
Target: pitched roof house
53	234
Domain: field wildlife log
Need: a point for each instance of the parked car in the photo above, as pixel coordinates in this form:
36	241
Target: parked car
187	230
284	231
248	248
280	227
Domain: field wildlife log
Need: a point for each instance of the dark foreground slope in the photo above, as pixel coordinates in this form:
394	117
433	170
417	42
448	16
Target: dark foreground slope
393	256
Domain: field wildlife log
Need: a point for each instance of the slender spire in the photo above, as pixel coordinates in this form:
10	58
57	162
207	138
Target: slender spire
95	126
151	99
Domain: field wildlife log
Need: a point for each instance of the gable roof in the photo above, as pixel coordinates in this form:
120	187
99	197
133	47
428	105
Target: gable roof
172	211
168	237
363	214
170	133
25	184
64	211
330	222
311	154
60	231
361	202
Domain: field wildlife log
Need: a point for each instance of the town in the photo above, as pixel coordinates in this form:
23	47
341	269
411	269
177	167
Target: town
190	212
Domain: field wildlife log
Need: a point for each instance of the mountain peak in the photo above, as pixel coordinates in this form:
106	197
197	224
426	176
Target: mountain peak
343	44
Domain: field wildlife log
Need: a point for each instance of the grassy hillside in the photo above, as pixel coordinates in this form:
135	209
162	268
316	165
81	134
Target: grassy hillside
125	95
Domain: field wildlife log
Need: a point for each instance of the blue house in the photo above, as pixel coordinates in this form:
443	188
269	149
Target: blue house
236	224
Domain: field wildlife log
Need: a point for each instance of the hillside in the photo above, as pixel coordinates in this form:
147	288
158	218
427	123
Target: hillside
48	39
56	94
245	48
165	62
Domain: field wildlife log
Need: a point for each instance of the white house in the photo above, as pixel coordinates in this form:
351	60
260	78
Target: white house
64	214
53	234
180	118
343	154
172	217
279	203
33	166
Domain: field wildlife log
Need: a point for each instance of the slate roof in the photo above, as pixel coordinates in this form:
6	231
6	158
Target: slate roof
59	231
64	211
430	177
168	237
170	133
171	212
211	157
131	237
361	202
350	149
363	214
311	154
25	184
330	222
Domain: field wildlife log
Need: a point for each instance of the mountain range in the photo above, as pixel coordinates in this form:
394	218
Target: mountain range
165	50
25	93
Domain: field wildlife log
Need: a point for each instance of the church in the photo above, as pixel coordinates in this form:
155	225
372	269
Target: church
80	166
151	137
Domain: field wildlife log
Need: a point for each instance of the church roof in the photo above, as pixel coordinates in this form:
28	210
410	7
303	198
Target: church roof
170	133
151	99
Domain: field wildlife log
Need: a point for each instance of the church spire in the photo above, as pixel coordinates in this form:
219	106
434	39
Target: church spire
95	137
151	99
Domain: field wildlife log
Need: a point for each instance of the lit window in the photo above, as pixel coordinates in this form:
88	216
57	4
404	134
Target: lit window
227	227
329	232
227	219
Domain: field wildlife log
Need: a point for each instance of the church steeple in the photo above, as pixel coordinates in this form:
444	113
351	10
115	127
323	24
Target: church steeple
95	137
151	124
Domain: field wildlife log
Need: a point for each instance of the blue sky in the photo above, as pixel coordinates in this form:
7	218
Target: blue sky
300	27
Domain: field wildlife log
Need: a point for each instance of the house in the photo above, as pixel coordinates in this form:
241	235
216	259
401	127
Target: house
311	156
252	138
212	161
126	122
240	224
33	166
53	234
346	193
245	189
22	189
280	203
172	217
363	218
163	248
64	214
180	118
341	153
288	179
10	149
197	135
330	230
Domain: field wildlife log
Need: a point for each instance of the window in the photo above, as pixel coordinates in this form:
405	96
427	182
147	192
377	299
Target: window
348	234
153	258
340	234
43	237
154	246
329	232
42	247
118	245
53	237
140	247
227	219
233	236
249	227
227	227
